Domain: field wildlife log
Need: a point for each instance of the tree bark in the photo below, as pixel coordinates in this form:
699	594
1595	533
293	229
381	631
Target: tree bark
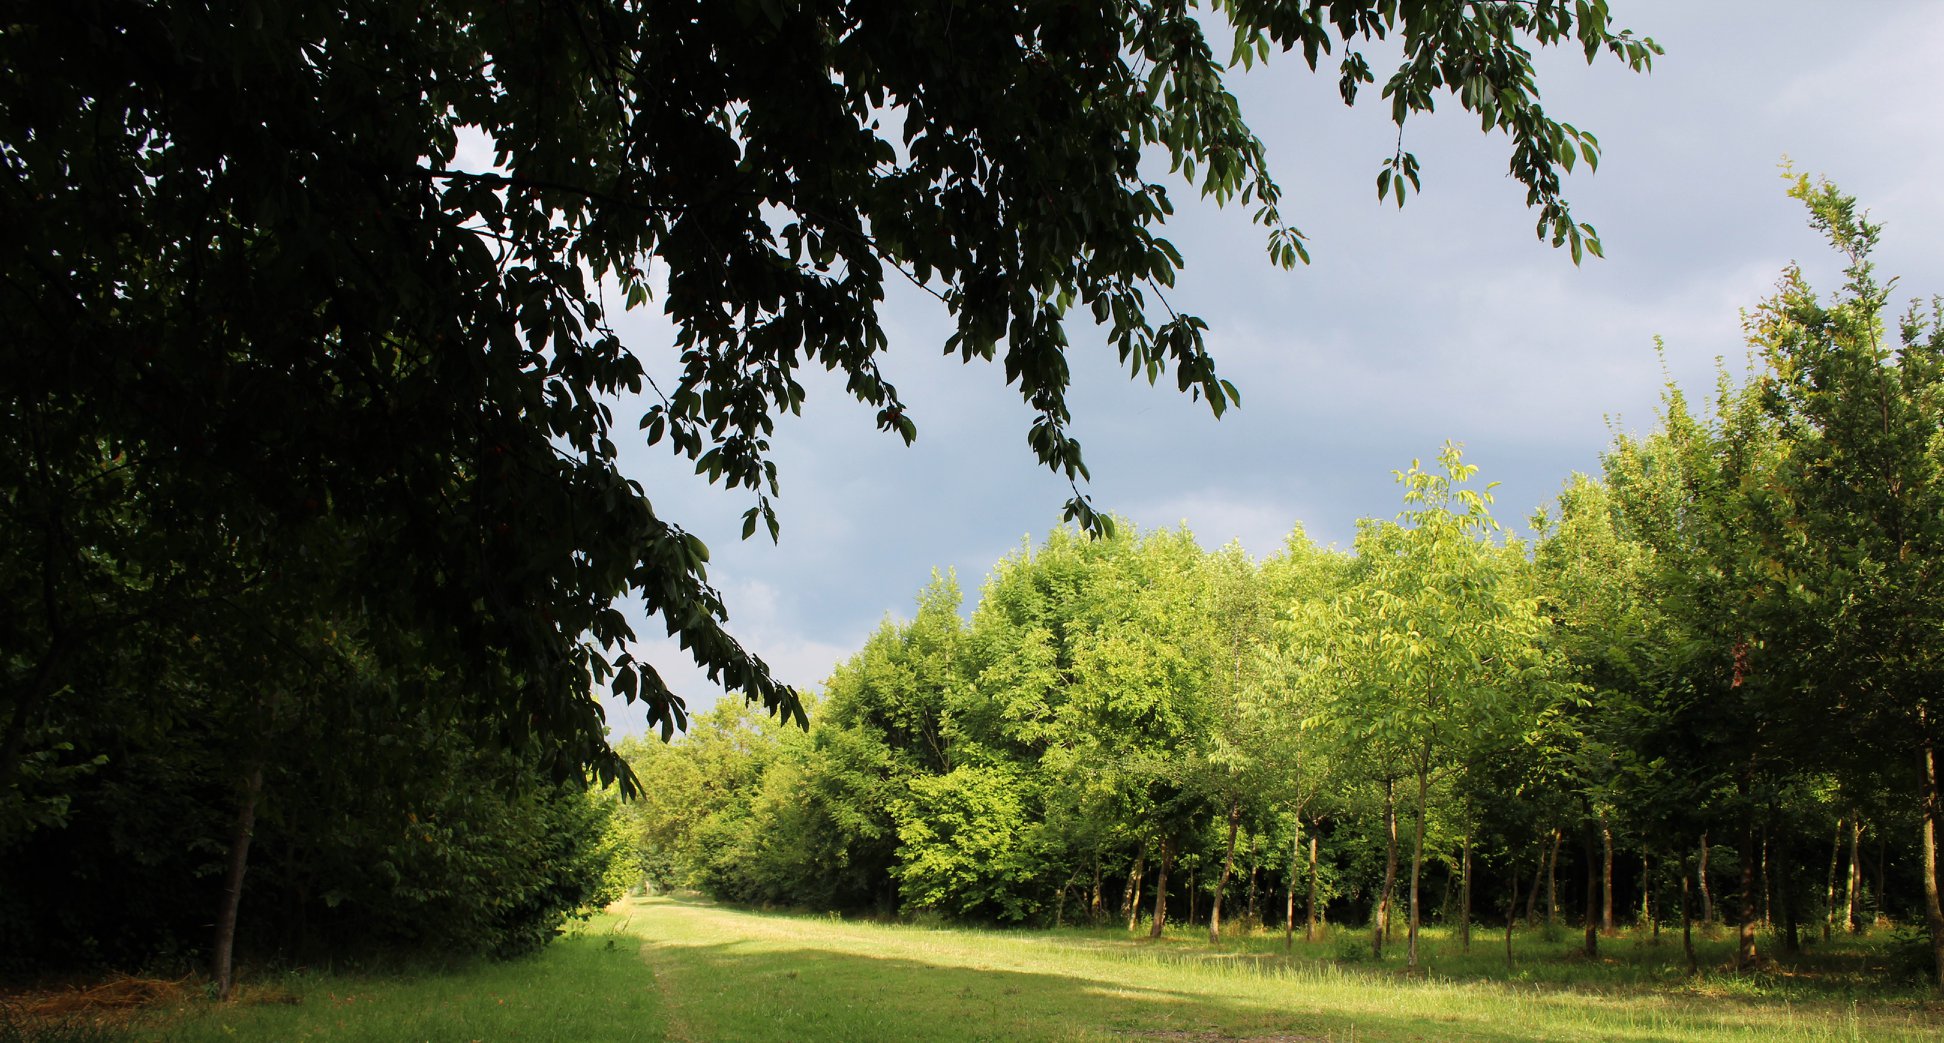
1194	893
1850	920
1131	898
1701	882
1382	925
1417	865
1464	902
1829	888
1512	911
241	833
1933	908
1785	895
1883	844
1254	866
1228	867
1161	889
1766	920
1532	896
1745	954
1309	917
1687	923
1289	913
1606	877
1647	894
1592	931
1093	906
1552	883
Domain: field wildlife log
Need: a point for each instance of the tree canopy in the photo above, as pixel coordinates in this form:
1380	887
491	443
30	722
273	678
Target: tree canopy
270	336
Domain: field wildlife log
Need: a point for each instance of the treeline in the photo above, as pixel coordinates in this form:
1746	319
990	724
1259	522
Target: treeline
1704	693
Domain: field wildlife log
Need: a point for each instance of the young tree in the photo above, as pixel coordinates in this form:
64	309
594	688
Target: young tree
1437	642
1864	487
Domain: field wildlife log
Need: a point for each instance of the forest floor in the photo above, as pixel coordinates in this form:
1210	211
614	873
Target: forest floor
667	969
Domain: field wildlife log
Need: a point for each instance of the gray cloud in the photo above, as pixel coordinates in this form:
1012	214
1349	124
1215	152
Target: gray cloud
1446	320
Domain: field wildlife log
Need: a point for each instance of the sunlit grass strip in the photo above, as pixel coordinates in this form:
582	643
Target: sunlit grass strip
875	981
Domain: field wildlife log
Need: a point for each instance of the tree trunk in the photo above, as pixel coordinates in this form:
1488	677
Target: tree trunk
1592	931
239	860
1464	902
1785	895
1701	881
1532	896
1309	917
1883	843
1829	888
1850	920
1254	867
1606	877
1417	865
1289	913
1131	898
1161	889
1552	883
1512	911
1687	924
1194	894
1382	920
1745	954
1933	908
1093	906
1766	921
1647	894
1228	867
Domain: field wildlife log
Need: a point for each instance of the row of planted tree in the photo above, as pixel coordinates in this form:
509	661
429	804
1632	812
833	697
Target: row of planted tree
1706	688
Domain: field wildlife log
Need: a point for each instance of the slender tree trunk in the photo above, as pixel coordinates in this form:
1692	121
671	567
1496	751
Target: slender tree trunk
1382	924
1552	883
1131	900
1850	920
1464	903
1883	843
1701	882
1745	954
1417	864
1785	895
1309	916
1194	894
1606	877
1228	867
1766	915
1254	867
1931	812
1161	889
1687	924
1532	896
1829	888
1289	914
1592	895
1512	911
1093	906
241	833
1647	895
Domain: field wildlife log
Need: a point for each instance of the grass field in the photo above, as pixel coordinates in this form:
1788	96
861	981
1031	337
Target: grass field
654	969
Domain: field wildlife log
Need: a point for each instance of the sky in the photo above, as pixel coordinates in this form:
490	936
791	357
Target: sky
1445	320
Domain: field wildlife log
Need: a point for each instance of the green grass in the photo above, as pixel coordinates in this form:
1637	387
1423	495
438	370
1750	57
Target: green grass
691	971
590	985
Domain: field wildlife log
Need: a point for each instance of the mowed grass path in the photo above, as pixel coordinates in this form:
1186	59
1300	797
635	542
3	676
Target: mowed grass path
654	969
734	975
